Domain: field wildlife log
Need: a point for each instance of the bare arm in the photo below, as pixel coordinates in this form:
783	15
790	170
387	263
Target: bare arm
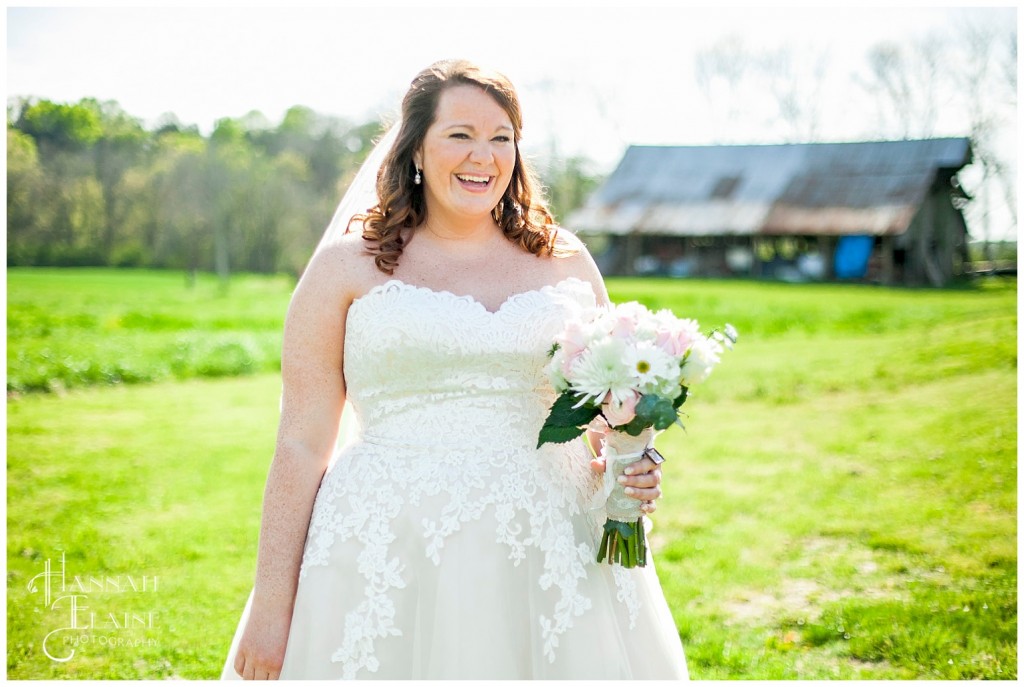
312	399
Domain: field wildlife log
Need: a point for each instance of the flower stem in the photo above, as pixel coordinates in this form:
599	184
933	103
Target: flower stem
624	543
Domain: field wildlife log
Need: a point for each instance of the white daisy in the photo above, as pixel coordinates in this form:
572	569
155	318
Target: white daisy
651	366
601	370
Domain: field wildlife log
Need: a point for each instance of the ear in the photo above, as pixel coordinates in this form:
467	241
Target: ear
417	159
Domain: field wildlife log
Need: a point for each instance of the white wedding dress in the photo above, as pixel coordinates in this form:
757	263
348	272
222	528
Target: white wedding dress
443	543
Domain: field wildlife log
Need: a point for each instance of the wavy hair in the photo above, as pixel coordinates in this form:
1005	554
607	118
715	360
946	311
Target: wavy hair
521	213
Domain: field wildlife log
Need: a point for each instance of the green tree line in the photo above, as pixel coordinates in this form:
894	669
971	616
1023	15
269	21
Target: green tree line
88	184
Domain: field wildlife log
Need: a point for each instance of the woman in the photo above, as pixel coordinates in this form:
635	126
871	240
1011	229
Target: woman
441	543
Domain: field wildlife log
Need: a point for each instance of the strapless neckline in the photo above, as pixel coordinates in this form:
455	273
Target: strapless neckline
472	300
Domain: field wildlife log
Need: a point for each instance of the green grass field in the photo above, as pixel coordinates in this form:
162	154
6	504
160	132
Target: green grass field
83	327
843	504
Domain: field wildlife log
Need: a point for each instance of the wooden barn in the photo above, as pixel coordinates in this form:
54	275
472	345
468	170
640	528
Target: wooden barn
879	211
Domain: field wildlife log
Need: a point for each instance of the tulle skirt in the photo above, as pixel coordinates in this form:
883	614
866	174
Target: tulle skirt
399	582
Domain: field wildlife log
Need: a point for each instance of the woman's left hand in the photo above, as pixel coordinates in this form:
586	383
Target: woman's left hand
642	480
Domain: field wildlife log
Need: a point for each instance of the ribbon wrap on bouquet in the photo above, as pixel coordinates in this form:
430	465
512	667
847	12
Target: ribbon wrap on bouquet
620	451
623	541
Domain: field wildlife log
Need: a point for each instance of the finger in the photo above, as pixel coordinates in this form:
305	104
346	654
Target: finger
640	467
643	494
649	507
597	465
644	481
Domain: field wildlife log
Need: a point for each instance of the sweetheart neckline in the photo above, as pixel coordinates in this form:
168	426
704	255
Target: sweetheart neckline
468	297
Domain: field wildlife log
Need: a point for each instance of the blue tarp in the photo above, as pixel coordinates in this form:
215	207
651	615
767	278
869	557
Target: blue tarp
852	254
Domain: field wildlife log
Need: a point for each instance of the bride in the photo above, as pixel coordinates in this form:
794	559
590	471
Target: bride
440	542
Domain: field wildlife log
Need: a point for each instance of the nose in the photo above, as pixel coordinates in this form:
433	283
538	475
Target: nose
481	152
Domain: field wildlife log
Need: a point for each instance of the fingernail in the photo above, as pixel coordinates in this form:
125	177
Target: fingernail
628	471
622	479
630	490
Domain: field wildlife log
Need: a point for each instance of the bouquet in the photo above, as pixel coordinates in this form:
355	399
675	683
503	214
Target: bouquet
634	368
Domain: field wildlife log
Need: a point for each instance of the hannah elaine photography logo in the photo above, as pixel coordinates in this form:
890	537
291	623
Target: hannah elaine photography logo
92	609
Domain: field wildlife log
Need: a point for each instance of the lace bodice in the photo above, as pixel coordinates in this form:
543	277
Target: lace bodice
424	365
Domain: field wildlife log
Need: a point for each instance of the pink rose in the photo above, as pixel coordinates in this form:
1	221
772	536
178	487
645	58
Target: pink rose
572	342
573	339
677	338
620	413
666	341
681	340
623	327
568	361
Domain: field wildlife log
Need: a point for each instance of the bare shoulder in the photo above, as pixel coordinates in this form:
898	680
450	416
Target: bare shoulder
572	259
314	329
340	272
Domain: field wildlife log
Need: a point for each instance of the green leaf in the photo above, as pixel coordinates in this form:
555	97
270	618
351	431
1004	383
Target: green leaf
681	399
554	434
656	411
563	414
564	422
666	415
646	407
635	426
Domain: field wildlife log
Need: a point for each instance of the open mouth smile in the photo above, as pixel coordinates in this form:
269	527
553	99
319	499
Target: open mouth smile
474	181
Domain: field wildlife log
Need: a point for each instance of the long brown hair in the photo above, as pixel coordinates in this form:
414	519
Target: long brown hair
521	213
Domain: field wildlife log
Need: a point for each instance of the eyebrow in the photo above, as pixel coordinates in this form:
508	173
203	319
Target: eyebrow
503	127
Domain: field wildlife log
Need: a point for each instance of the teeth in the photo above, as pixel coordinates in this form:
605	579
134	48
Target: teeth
467	177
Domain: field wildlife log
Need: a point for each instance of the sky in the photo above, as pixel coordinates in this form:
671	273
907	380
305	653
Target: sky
593	78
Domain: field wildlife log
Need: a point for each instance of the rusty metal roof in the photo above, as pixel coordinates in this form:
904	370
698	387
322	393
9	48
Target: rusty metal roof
872	187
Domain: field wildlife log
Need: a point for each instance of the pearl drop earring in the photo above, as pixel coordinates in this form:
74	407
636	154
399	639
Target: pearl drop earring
417	179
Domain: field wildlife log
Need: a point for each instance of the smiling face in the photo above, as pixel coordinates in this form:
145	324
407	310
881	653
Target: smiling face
467	157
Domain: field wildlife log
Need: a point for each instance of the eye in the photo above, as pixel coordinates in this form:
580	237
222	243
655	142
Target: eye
503	139
459	135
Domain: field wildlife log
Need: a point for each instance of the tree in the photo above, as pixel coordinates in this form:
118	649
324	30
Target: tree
990	100
24	185
120	146
569	182
721	72
88	184
779	89
903	79
67	127
181	202
794	81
